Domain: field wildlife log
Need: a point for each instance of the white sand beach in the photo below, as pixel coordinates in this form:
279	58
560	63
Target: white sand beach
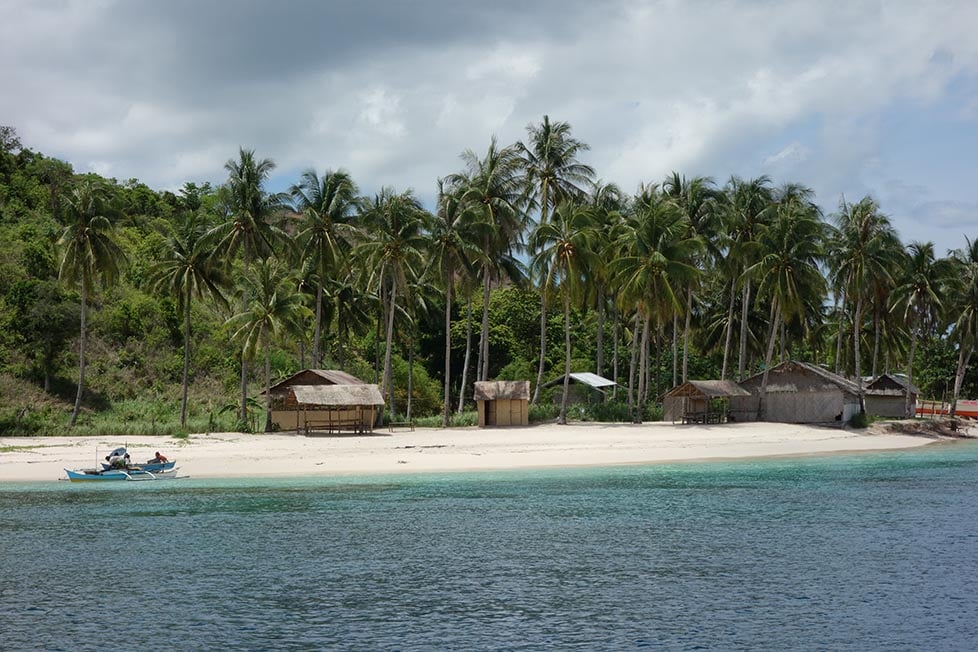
219	455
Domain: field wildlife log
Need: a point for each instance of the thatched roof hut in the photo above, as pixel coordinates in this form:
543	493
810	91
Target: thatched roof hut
503	402
886	396
800	392
705	401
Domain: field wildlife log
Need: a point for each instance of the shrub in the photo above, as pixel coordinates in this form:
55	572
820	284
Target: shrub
859	420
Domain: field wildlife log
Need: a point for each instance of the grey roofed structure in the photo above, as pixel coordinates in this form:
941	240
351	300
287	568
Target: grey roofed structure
705	401
891	384
337	395
711	388
800	392
586	378
843	383
494	390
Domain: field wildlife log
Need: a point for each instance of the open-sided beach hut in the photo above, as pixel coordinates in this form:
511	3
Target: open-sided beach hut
886	396
706	401
503	402
285	409
799	392
335	408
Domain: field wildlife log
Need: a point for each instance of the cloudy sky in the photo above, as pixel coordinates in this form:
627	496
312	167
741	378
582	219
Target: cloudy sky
850	98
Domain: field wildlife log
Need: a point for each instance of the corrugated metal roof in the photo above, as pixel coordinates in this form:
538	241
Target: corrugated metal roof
585	377
336	395
491	390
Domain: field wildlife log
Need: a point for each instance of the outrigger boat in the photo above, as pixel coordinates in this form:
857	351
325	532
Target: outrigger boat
108	475
152	467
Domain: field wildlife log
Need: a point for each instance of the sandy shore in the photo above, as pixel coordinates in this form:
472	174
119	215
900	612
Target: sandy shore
434	449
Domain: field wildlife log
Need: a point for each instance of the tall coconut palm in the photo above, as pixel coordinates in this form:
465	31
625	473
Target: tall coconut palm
455	246
190	268
90	255
865	248
917	296
747	211
393	251
654	259
273	307
553	174
564	244
328	205
608	206
787	270
696	199
963	284
249	227
494	192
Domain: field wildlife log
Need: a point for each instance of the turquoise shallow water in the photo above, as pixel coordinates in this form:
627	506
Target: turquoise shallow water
853	552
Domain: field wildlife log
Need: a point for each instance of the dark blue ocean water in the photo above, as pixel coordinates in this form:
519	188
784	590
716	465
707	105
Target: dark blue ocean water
868	552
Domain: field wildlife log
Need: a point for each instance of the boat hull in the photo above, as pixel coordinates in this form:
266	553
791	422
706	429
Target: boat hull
118	475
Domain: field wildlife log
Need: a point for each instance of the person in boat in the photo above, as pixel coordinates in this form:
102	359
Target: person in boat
118	459
159	459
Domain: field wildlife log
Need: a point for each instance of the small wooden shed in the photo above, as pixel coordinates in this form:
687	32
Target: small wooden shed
705	401
886	396
503	402
799	392
335	408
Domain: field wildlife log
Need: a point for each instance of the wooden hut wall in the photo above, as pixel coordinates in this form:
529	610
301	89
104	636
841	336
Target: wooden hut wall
504	412
798	397
296	418
888	405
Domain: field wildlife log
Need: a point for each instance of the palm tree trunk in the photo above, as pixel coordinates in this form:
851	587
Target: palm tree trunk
689	319
243	415
772	338
562	419
964	357
318	330
633	362
728	336
484	340
599	344
389	337
410	387
856	332
543	340
913	349
268	378
615	332
186	359
876	339
643	366
81	352
468	355
446	412
742	359
838	339
675	349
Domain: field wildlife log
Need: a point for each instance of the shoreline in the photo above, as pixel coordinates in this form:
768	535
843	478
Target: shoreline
432	450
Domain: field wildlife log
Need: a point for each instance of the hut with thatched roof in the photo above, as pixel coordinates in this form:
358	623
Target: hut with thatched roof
351	406
503	402
799	392
706	401
886	396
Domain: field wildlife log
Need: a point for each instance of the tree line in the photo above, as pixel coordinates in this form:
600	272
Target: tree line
727	277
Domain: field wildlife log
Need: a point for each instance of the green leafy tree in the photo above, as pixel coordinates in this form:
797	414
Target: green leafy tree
964	290
190	268
273	308
90	255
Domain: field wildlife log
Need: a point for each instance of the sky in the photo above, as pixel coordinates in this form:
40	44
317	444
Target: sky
849	98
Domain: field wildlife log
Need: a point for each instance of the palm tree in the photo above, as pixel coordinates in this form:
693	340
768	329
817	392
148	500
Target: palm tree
273	306
608	206
654	258
747	207
454	250
866	246
328	205
190	268
918	295
248	227
553	174
697	201
564	244
787	270
964	286
89	255
393	253
494	192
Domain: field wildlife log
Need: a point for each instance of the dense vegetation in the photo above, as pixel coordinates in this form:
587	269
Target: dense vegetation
125	309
